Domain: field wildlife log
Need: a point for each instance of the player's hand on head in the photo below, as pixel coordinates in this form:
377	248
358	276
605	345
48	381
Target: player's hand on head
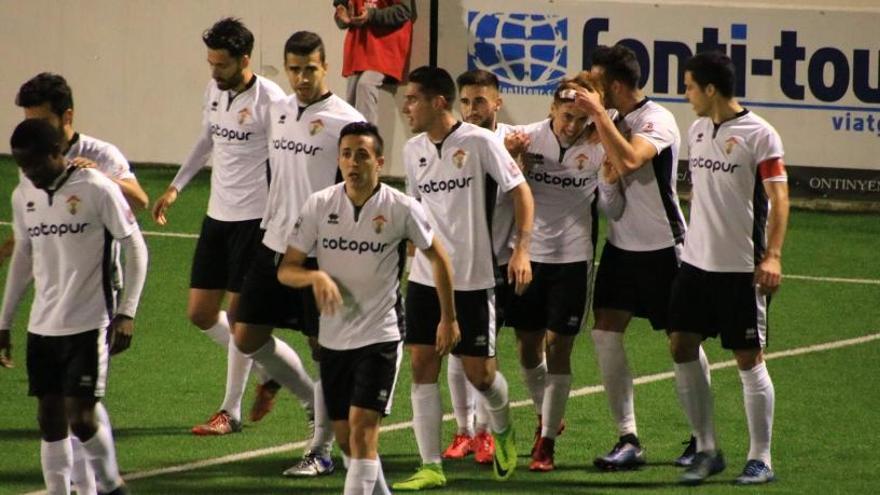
6	349
448	336
589	100
82	162
768	275
121	332
162	204
327	295
519	271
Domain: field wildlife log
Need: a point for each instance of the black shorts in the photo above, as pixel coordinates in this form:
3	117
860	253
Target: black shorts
476	319
713	303
362	377
223	254
266	301
70	365
636	281
555	300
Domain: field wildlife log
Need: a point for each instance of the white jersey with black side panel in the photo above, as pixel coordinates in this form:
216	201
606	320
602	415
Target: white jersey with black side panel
363	250
563	182
729	208
68	233
234	136
652	218
503	218
304	158
456	181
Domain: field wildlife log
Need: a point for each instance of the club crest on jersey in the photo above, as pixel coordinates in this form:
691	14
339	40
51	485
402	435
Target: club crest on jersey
282	119
379	223
729	143
73	204
243	115
459	157
581	160
333	218
316	126
513	168
30	207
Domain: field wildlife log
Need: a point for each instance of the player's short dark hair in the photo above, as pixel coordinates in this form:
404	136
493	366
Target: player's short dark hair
477	77
231	35
364	129
49	88
36	138
434	81
715	68
303	43
620	64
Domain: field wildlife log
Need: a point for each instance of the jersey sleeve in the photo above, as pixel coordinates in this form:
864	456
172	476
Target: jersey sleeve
418	230
304	234
498	163
114	212
411	186
657	128
115	164
201	151
767	145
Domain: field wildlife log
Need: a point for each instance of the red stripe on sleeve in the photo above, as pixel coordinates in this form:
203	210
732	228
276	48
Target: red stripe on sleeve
770	168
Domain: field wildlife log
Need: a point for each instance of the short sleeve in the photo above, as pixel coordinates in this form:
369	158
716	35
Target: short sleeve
304	234
418	230
114	164
657	128
498	163
115	213
768	145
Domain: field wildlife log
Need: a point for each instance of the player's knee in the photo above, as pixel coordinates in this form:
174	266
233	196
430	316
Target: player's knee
53	421
201	318
683	351
748	358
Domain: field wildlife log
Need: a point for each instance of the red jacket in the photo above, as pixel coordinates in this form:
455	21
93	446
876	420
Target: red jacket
376	47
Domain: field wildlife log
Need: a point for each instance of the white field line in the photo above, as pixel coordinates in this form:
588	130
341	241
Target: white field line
589	390
810	278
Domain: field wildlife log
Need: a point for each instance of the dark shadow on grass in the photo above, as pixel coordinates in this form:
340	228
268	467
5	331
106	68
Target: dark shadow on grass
20	434
137	431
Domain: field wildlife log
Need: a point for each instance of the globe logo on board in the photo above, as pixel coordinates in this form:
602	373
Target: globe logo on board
528	52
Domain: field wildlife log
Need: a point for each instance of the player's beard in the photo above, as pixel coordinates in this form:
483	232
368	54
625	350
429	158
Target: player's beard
231	82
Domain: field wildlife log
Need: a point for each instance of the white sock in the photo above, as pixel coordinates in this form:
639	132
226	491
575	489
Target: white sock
381	486
759	397
361	477
461	396
617	379
261	372
285	367
219	333
81	475
481	423
322	439
695	396
555	399
427	420
102	456
535	379
704	365
497	403
238	367
56	459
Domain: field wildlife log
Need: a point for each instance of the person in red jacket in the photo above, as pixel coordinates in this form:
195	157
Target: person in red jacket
377	47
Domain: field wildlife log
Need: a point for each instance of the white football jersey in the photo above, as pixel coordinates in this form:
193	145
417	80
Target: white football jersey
108	159
234	137
563	182
652	218
455	180
729	206
363	250
304	158
69	233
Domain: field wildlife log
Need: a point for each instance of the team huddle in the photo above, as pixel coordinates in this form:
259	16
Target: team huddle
498	227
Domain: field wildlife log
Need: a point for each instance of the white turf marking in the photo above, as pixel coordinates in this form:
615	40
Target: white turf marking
590	390
839	280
